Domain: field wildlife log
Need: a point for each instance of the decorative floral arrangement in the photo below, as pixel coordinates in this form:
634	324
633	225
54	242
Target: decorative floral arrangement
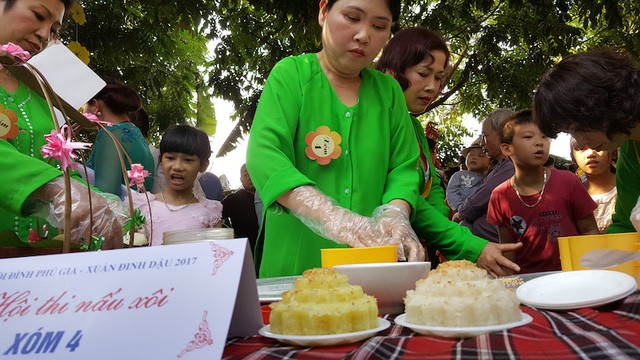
61	147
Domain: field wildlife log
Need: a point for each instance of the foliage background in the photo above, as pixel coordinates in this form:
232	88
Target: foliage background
501	47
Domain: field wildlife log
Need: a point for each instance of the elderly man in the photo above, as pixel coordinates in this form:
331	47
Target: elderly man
472	213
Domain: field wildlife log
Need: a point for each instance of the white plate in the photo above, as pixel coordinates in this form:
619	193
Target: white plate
460	332
576	289
325	340
271	289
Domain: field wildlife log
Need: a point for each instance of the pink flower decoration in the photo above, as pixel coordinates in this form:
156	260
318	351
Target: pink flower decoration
60	147
16	51
137	174
94	119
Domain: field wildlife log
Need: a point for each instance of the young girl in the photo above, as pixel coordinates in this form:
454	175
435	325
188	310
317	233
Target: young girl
184	153
599	179
331	142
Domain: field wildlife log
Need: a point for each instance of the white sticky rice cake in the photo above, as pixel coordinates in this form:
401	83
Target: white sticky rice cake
460	294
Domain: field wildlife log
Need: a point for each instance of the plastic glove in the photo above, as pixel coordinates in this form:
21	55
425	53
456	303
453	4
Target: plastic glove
635	216
105	223
394	225
325	218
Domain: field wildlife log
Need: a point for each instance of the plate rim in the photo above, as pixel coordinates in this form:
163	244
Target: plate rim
452	331
576	304
330	339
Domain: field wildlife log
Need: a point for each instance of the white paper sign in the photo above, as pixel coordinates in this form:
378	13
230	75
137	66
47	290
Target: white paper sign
69	77
163	302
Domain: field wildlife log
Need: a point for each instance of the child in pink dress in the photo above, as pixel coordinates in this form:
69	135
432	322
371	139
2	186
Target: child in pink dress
184	154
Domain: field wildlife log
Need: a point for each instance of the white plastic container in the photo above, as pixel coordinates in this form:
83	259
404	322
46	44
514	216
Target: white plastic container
196	235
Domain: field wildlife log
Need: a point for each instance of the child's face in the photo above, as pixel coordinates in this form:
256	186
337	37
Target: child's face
425	79
597	139
592	162
181	170
530	147
477	161
353	33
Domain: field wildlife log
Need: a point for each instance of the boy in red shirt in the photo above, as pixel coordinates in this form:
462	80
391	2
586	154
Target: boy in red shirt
537	205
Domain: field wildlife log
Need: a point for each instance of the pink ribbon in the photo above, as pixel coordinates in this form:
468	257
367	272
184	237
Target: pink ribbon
94	119
137	174
16	51
60	147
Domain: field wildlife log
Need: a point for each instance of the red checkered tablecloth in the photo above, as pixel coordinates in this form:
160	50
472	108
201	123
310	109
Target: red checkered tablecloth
609	332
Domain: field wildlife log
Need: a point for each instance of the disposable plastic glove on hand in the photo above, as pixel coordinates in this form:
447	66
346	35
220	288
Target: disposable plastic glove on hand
105	223
319	212
395	227
635	216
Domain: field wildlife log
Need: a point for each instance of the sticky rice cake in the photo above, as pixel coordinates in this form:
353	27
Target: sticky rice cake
323	302
459	294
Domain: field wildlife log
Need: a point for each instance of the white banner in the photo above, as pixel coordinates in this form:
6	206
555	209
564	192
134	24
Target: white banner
161	302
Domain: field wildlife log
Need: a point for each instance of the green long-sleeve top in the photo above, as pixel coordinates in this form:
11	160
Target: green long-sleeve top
431	222
23	168
361	156
627	180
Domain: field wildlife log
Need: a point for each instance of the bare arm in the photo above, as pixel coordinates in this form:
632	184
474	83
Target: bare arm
588	225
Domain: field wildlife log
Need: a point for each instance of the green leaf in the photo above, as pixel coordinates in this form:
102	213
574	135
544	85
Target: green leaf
206	113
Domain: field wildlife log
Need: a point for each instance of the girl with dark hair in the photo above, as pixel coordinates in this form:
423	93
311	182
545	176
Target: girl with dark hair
184	153
28	179
419	59
595	97
332	151
113	104
598	175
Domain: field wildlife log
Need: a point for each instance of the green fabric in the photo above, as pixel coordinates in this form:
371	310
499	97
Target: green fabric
24	170
436	192
431	222
377	164
105	162
627	183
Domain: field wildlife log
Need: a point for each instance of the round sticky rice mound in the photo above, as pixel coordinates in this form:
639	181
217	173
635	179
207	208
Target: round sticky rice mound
460	294
323	302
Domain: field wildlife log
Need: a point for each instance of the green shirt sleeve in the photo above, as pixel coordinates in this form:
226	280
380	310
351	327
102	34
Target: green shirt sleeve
26	174
627	180
455	242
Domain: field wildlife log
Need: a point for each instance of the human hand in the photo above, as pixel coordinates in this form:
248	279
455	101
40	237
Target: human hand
457	217
393	223
319	212
105	223
492	259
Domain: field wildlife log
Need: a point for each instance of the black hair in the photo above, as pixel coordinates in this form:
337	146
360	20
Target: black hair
8	4
509	125
187	140
120	98
408	48
394	7
591	91
140	118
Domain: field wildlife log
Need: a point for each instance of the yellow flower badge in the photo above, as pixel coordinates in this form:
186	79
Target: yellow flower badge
323	145
8	123
77	14
80	51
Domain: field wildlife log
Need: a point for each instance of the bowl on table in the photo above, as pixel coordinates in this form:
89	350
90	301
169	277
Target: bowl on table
387	282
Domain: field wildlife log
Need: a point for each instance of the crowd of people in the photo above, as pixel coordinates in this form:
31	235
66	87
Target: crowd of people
338	158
